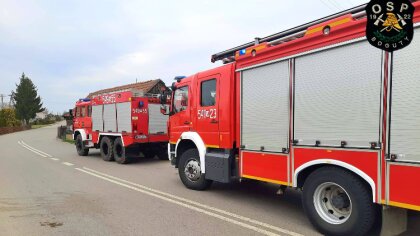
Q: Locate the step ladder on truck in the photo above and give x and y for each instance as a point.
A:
(314, 108)
(121, 125)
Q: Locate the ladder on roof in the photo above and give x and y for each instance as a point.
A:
(284, 36)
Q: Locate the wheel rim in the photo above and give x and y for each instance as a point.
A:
(192, 170)
(332, 203)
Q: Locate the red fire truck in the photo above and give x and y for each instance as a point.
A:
(316, 108)
(119, 124)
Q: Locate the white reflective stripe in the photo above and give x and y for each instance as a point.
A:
(337, 163)
(196, 139)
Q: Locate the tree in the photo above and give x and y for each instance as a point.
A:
(27, 101)
(8, 118)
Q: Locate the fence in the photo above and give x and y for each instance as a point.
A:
(61, 132)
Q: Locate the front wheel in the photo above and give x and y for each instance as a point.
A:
(80, 147)
(338, 203)
(189, 170)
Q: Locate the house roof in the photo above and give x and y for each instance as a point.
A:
(145, 86)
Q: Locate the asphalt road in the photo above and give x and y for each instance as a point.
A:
(46, 189)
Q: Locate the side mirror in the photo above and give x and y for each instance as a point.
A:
(163, 98)
(164, 110)
(71, 113)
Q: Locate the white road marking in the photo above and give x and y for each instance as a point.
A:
(38, 153)
(251, 227)
(153, 192)
(54, 159)
(34, 149)
(68, 164)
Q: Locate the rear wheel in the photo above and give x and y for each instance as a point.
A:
(338, 203)
(80, 147)
(189, 170)
(120, 152)
(106, 148)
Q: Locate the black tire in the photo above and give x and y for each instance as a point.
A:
(120, 152)
(107, 149)
(188, 157)
(355, 196)
(80, 147)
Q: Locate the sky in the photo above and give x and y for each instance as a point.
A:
(74, 47)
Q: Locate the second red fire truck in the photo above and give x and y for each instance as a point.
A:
(316, 108)
(121, 124)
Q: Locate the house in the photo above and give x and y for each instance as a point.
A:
(41, 115)
(150, 86)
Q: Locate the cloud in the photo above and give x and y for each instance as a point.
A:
(71, 48)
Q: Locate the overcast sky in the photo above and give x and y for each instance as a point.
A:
(73, 47)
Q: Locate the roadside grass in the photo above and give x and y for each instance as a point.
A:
(71, 141)
(68, 138)
(38, 126)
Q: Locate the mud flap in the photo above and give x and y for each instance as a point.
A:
(394, 221)
(218, 166)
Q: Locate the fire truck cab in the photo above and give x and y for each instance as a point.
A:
(203, 119)
(315, 108)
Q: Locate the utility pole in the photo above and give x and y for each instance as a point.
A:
(2, 101)
(11, 101)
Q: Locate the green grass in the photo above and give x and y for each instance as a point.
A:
(71, 141)
(38, 126)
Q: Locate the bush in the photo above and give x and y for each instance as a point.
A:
(49, 119)
(8, 118)
(45, 121)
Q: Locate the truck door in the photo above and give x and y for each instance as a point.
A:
(77, 124)
(87, 120)
(181, 118)
(207, 123)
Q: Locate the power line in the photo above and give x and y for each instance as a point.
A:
(327, 5)
(4, 104)
(335, 4)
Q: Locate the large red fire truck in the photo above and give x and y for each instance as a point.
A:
(119, 124)
(316, 108)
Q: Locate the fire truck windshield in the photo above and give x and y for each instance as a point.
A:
(180, 102)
